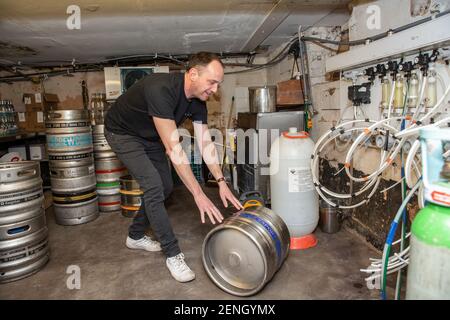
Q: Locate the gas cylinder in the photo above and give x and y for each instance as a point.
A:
(428, 270)
(429, 262)
(294, 197)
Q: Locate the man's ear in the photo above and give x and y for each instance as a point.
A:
(193, 74)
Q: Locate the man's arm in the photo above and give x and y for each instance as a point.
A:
(168, 133)
(210, 155)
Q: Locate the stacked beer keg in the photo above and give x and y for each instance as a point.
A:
(69, 146)
(108, 170)
(131, 196)
(23, 230)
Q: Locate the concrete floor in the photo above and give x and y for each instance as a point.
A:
(109, 270)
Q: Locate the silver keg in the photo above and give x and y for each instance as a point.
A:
(102, 149)
(23, 230)
(76, 209)
(71, 180)
(242, 254)
(99, 140)
(109, 203)
(20, 189)
(108, 172)
(69, 159)
(68, 131)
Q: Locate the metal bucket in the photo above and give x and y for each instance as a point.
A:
(130, 196)
(242, 254)
(329, 218)
(23, 228)
(262, 99)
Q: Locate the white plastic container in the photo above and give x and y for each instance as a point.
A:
(294, 198)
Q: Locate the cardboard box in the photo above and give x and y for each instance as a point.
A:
(21, 121)
(40, 102)
(31, 121)
(36, 120)
(37, 152)
(290, 93)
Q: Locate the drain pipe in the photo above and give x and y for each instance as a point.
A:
(306, 85)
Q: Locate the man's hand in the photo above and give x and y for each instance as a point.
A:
(205, 205)
(226, 195)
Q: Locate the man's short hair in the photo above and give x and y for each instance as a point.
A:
(202, 59)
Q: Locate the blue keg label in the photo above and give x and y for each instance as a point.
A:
(64, 141)
(272, 233)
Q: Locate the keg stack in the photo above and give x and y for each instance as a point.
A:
(108, 170)
(23, 229)
(69, 146)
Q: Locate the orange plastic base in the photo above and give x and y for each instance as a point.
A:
(304, 242)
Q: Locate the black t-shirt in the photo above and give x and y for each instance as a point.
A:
(158, 94)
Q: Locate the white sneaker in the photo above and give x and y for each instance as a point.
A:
(145, 243)
(179, 269)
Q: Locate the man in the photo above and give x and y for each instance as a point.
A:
(141, 126)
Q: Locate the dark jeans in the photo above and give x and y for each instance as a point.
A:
(147, 163)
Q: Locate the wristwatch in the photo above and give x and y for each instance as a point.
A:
(220, 179)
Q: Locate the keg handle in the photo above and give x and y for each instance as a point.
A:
(247, 194)
(26, 172)
(252, 203)
(17, 230)
(54, 115)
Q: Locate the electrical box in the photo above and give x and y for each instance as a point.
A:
(119, 79)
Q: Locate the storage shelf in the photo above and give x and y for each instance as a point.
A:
(21, 136)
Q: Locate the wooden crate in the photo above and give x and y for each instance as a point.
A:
(290, 93)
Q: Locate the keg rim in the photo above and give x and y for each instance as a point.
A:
(17, 164)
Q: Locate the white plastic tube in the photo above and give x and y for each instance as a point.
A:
(409, 162)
